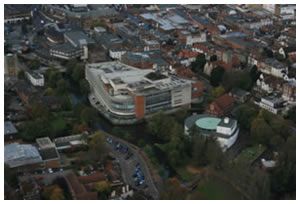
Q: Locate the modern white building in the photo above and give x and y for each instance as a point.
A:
(273, 67)
(35, 78)
(272, 104)
(116, 53)
(225, 130)
(125, 94)
(190, 40)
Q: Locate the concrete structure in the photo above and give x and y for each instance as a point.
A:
(14, 13)
(273, 67)
(225, 130)
(66, 51)
(272, 104)
(47, 149)
(16, 155)
(76, 45)
(35, 78)
(125, 94)
(68, 142)
(116, 53)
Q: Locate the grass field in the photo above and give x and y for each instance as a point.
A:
(215, 189)
(249, 155)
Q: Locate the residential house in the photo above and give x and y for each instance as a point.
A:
(239, 95)
(221, 106)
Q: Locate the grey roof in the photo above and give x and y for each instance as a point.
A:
(49, 154)
(108, 39)
(45, 142)
(146, 56)
(9, 128)
(21, 154)
(77, 38)
(239, 92)
(65, 47)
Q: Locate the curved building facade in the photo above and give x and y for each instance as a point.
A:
(125, 94)
(226, 130)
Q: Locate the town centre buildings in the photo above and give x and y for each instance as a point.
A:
(125, 94)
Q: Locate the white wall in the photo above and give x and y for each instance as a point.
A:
(225, 143)
(181, 96)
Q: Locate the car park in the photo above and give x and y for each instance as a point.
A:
(129, 155)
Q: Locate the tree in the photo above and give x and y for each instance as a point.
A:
(283, 178)
(21, 74)
(39, 110)
(216, 76)
(70, 66)
(291, 115)
(53, 76)
(84, 87)
(237, 79)
(34, 64)
(88, 115)
(10, 176)
(97, 147)
(66, 103)
(207, 151)
(175, 149)
(61, 86)
(261, 132)
(199, 63)
(79, 128)
(49, 92)
(245, 115)
(57, 127)
(160, 126)
(254, 73)
(53, 192)
(30, 131)
(218, 91)
(77, 73)
(199, 149)
(102, 186)
(173, 190)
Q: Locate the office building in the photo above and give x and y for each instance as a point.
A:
(125, 94)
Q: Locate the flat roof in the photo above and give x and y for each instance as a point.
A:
(132, 77)
(35, 74)
(9, 128)
(45, 142)
(208, 123)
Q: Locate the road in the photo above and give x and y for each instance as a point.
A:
(128, 167)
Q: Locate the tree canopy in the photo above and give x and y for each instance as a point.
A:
(216, 76)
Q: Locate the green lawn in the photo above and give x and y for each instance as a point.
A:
(249, 155)
(215, 189)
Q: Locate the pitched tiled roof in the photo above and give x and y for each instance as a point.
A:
(224, 101)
